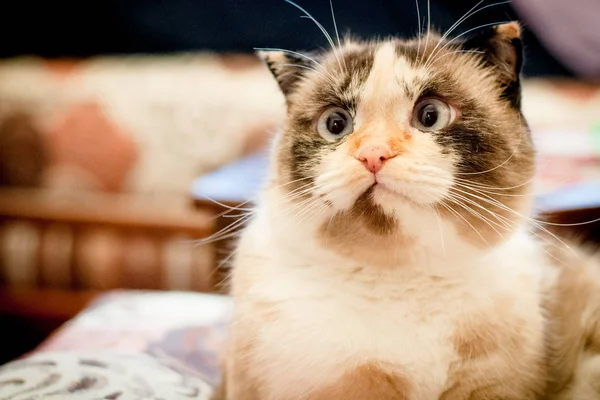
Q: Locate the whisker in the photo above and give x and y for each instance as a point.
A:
(465, 33)
(467, 15)
(301, 204)
(494, 214)
(548, 242)
(452, 27)
(220, 235)
(500, 194)
(532, 221)
(295, 53)
(419, 25)
(293, 181)
(428, 29)
(337, 35)
(237, 215)
(323, 30)
(440, 225)
(296, 196)
(231, 232)
(315, 209)
(485, 193)
(476, 214)
(450, 209)
(450, 30)
(460, 20)
(297, 191)
(234, 233)
(300, 66)
(299, 188)
(229, 208)
(488, 199)
(307, 191)
(566, 225)
(307, 206)
(495, 188)
(509, 224)
(550, 255)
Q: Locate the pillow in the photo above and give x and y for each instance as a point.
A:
(97, 375)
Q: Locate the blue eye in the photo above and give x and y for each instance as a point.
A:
(432, 115)
(428, 115)
(335, 123)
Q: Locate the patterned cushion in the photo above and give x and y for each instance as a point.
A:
(97, 375)
(183, 330)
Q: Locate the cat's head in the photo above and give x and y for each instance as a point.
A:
(386, 135)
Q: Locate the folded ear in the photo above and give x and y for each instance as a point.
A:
(287, 68)
(502, 48)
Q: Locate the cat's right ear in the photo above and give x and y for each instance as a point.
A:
(288, 69)
(502, 49)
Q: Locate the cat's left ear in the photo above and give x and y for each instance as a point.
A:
(288, 69)
(502, 48)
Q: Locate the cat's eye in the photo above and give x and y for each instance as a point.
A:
(334, 123)
(432, 114)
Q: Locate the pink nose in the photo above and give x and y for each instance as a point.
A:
(373, 157)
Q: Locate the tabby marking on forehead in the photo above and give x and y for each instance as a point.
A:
(358, 62)
(390, 73)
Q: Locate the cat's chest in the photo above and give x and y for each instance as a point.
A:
(419, 333)
(319, 337)
(320, 341)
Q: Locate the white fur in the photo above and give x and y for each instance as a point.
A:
(331, 319)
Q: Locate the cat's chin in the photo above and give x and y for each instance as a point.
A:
(388, 197)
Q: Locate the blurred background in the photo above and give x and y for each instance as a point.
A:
(113, 113)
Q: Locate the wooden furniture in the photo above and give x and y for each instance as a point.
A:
(28, 316)
(580, 223)
(91, 241)
(573, 212)
(59, 250)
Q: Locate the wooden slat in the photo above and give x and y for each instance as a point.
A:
(133, 211)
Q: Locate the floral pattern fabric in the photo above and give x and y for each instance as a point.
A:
(184, 331)
(97, 375)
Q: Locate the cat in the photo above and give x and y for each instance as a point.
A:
(390, 255)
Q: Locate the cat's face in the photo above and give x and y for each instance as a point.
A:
(378, 131)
